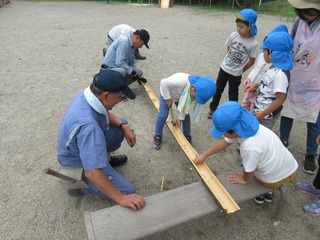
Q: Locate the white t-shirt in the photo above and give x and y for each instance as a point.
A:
(119, 30)
(172, 88)
(264, 154)
(259, 69)
(239, 53)
(273, 80)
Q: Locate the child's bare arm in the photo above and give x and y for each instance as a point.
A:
(318, 140)
(219, 146)
(241, 178)
(249, 64)
(281, 97)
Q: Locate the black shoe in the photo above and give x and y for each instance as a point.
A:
(309, 164)
(259, 200)
(268, 197)
(189, 138)
(138, 56)
(104, 50)
(285, 144)
(119, 160)
(209, 114)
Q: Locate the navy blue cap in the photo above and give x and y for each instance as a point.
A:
(112, 81)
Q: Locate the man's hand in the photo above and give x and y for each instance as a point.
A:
(133, 201)
(140, 80)
(134, 75)
(129, 135)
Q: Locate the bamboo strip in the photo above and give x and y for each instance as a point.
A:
(221, 194)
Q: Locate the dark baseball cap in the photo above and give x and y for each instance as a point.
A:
(112, 81)
(144, 35)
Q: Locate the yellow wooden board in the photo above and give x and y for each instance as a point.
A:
(221, 194)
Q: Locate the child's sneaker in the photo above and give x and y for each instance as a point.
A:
(309, 164)
(209, 114)
(313, 208)
(268, 197)
(157, 142)
(285, 144)
(307, 187)
(188, 138)
(238, 149)
(259, 200)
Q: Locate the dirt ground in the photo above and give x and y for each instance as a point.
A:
(50, 51)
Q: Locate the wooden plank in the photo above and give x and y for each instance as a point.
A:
(223, 197)
(164, 210)
(89, 225)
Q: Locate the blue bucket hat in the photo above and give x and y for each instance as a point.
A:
(231, 116)
(205, 88)
(250, 16)
(280, 42)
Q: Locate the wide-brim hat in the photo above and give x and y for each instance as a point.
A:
(205, 88)
(231, 116)
(112, 81)
(280, 42)
(250, 16)
(304, 4)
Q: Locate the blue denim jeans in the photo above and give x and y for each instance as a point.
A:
(163, 115)
(312, 134)
(114, 139)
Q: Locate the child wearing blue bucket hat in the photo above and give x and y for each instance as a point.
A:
(270, 76)
(242, 50)
(264, 156)
(183, 90)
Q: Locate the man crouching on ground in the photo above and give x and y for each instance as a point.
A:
(262, 153)
(89, 132)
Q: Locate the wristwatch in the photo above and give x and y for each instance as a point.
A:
(123, 123)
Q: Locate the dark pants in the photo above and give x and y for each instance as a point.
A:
(316, 181)
(313, 131)
(223, 78)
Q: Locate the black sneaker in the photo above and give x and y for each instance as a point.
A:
(285, 143)
(117, 161)
(309, 165)
(209, 114)
(268, 197)
(259, 200)
(188, 138)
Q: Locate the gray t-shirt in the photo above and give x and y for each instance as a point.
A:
(239, 53)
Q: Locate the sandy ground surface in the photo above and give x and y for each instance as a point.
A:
(50, 51)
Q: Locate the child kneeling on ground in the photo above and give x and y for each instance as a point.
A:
(262, 152)
(183, 90)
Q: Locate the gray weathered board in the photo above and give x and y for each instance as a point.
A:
(164, 210)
